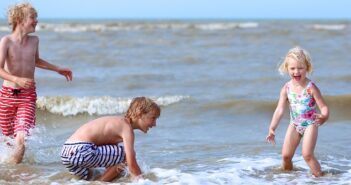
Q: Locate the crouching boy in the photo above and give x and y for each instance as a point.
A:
(109, 142)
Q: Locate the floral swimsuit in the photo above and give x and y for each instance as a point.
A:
(302, 107)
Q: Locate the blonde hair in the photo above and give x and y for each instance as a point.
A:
(299, 54)
(140, 106)
(17, 12)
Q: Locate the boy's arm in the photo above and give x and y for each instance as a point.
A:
(324, 115)
(46, 65)
(128, 141)
(277, 116)
(3, 55)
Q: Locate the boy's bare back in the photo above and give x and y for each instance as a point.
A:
(103, 131)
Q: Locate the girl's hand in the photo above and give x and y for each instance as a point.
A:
(319, 119)
(271, 137)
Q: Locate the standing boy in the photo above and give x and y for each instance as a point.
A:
(19, 55)
(109, 141)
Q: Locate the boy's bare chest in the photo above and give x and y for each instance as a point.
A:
(22, 55)
(22, 51)
(21, 59)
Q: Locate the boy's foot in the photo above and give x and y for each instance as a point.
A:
(95, 173)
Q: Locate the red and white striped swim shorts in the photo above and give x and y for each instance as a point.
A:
(17, 110)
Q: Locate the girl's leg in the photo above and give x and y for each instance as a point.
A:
(309, 143)
(291, 141)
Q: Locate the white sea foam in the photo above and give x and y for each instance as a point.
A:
(68, 105)
(5, 150)
(329, 26)
(225, 26)
(257, 170)
(65, 27)
(5, 28)
(115, 26)
(245, 170)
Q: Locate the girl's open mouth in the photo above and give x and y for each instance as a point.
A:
(297, 78)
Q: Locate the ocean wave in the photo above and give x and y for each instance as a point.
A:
(5, 29)
(339, 106)
(225, 26)
(104, 27)
(329, 26)
(73, 28)
(105, 105)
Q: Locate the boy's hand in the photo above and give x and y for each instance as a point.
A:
(137, 178)
(271, 137)
(25, 82)
(66, 72)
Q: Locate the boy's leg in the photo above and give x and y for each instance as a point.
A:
(19, 147)
(112, 157)
(112, 172)
(82, 156)
(7, 118)
(73, 157)
(8, 110)
(309, 143)
(25, 120)
(291, 141)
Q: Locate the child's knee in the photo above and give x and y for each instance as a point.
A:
(307, 156)
(20, 137)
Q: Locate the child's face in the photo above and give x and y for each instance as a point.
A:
(297, 70)
(30, 21)
(147, 121)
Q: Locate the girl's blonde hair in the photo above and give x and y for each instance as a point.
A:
(17, 12)
(299, 54)
(140, 106)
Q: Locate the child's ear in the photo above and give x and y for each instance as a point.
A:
(18, 20)
(138, 114)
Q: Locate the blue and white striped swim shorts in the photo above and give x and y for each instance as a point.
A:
(79, 157)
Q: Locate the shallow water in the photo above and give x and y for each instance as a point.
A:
(217, 83)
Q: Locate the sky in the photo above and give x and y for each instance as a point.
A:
(187, 9)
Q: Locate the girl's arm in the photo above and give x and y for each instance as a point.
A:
(277, 116)
(324, 115)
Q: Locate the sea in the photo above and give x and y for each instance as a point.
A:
(217, 83)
